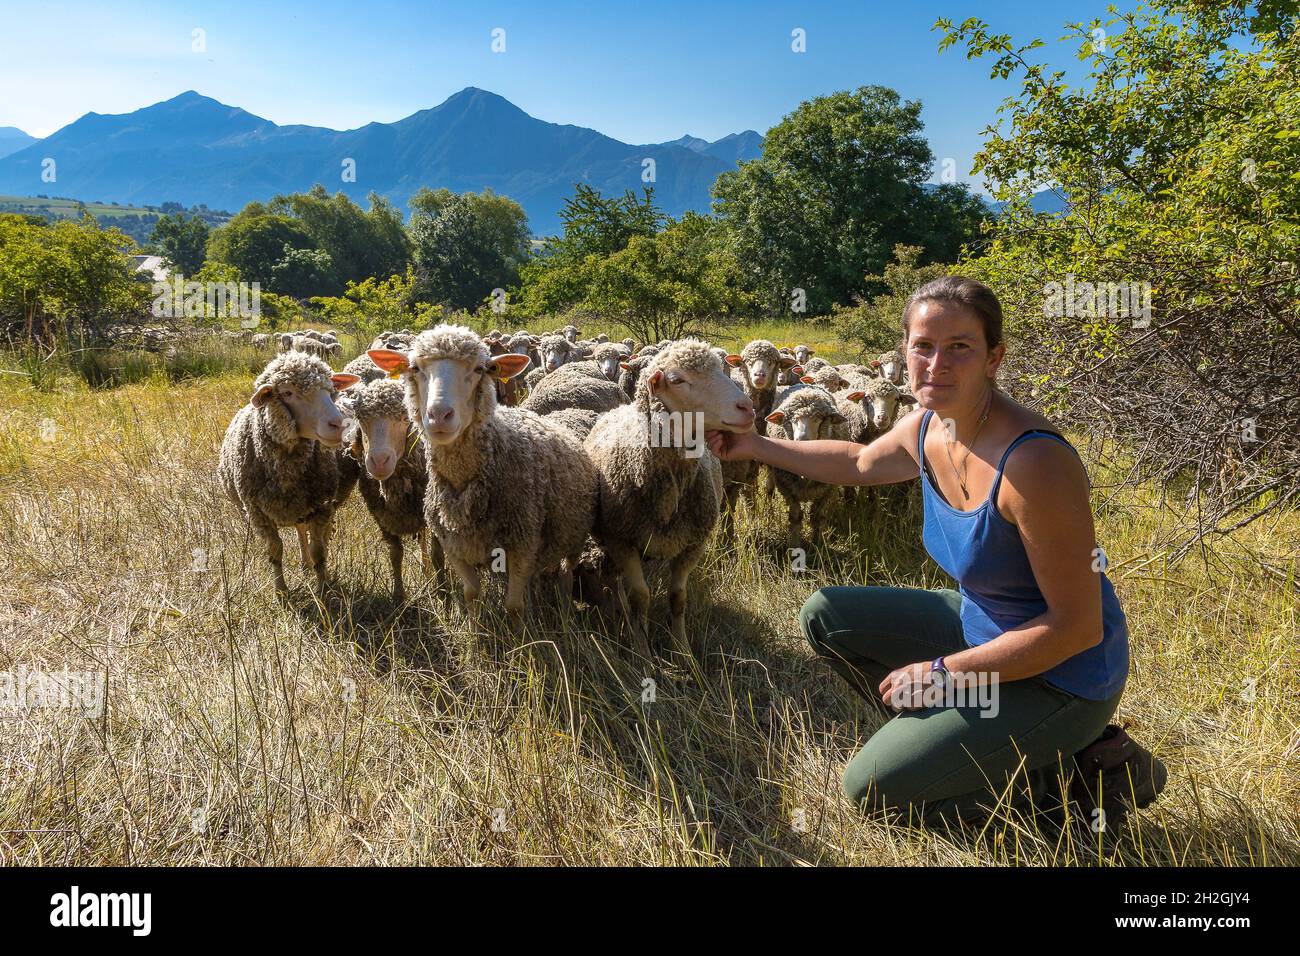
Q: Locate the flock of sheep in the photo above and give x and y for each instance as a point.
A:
(582, 469)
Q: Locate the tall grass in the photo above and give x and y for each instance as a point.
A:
(240, 730)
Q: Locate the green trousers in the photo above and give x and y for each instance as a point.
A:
(945, 763)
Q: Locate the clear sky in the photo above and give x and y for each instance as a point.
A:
(641, 72)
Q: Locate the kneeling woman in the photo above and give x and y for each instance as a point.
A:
(1036, 620)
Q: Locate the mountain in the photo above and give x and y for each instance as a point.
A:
(732, 149)
(13, 139)
(192, 149)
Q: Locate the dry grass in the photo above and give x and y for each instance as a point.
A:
(237, 730)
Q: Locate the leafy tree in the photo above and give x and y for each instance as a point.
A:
(874, 325)
(182, 241)
(1177, 160)
(374, 305)
(665, 285)
(256, 240)
(466, 245)
(300, 272)
(360, 244)
(838, 185)
(594, 226)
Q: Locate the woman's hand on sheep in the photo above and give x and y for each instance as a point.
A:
(734, 446)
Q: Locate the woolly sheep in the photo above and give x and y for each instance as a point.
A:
(575, 385)
(394, 478)
(501, 480)
(278, 463)
(755, 370)
(660, 487)
(805, 414)
(891, 366)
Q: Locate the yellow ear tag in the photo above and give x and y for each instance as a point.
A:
(395, 374)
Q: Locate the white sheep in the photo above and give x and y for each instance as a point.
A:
(504, 483)
(278, 463)
(660, 488)
(805, 414)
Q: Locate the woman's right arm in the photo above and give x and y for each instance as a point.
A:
(888, 459)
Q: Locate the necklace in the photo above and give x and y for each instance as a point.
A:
(947, 445)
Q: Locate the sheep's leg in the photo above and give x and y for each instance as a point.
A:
(275, 554)
(318, 545)
(395, 552)
(469, 583)
(769, 481)
(519, 572)
(639, 601)
(681, 568)
(794, 537)
(302, 545)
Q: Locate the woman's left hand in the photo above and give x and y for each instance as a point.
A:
(902, 689)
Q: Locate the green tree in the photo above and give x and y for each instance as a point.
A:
(466, 245)
(359, 243)
(256, 240)
(182, 241)
(840, 182)
(1178, 159)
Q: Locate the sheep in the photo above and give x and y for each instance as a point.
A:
(813, 364)
(509, 392)
(278, 463)
(610, 359)
(500, 480)
(261, 340)
(870, 409)
(575, 385)
(631, 372)
(394, 477)
(756, 369)
(570, 332)
(805, 414)
(660, 487)
(891, 365)
(555, 350)
(364, 369)
(630, 344)
(577, 420)
(533, 378)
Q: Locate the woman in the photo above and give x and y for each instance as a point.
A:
(1036, 622)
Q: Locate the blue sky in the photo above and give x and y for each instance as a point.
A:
(640, 72)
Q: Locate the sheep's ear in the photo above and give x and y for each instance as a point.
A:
(777, 418)
(392, 362)
(624, 366)
(344, 380)
(875, 363)
(507, 366)
(835, 418)
(907, 398)
(735, 361)
(857, 396)
(796, 369)
(788, 361)
(262, 395)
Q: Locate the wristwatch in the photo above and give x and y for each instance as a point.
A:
(938, 673)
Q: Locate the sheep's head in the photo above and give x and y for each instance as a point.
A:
(610, 358)
(554, 351)
(880, 402)
(802, 354)
(759, 362)
(890, 366)
(295, 395)
(828, 377)
(808, 414)
(688, 378)
(450, 379)
(570, 332)
(382, 426)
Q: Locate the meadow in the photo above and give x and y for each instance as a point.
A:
(239, 730)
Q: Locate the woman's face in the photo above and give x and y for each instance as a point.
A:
(948, 363)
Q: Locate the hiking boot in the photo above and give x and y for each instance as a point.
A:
(1115, 773)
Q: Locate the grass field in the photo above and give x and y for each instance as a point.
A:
(237, 730)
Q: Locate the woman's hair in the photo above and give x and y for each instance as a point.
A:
(975, 296)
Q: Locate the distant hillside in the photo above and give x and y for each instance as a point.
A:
(192, 149)
(136, 221)
(13, 139)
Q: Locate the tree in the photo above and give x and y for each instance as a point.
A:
(360, 244)
(594, 226)
(838, 185)
(875, 325)
(665, 285)
(1177, 160)
(181, 241)
(256, 240)
(466, 246)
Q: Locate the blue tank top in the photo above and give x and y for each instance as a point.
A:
(984, 553)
